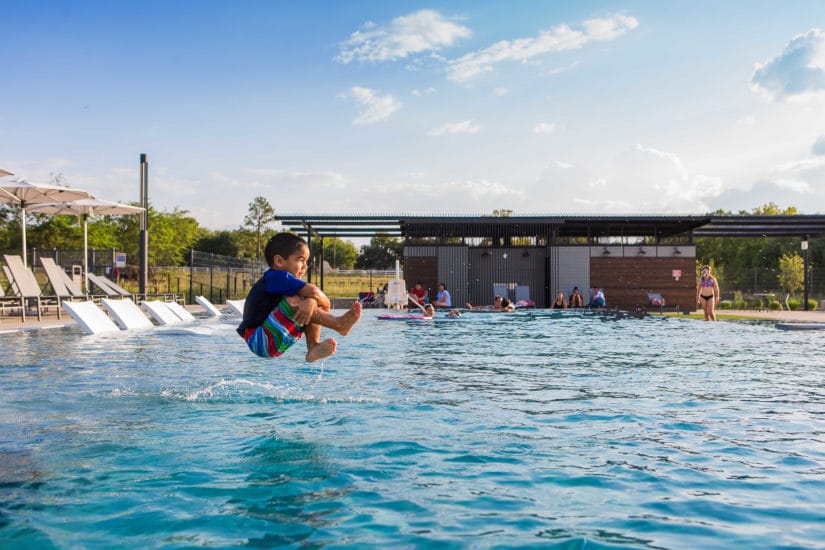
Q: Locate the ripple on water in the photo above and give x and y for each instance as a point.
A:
(530, 429)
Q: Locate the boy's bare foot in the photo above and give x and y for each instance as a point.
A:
(321, 350)
(348, 319)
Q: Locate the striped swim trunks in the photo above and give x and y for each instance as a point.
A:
(276, 335)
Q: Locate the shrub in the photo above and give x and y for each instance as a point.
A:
(812, 304)
(793, 304)
(725, 304)
(754, 303)
(775, 305)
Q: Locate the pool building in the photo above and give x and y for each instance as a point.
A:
(534, 257)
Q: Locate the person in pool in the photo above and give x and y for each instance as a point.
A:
(429, 311)
(280, 307)
(559, 302)
(708, 294)
(496, 306)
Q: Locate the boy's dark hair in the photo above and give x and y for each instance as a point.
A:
(283, 244)
(505, 302)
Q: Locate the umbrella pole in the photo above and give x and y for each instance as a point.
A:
(85, 254)
(23, 230)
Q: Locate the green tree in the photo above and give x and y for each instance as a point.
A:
(260, 215)
(791, 272)
(54, 232)
(337, 252)
(171, 236)
(746, 261)
(771, 209)
(103, 232)
(218, 242)
(247, 242)
(381, 253)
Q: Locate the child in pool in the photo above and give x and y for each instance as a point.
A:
(280, 307)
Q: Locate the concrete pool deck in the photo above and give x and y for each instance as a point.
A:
(13, 325)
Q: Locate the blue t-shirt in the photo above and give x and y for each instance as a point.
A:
(444, 296)
(265, 295)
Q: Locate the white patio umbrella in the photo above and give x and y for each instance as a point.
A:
(4, 173)
(86, 208)
(23, 193)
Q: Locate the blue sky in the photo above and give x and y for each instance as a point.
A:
(457, 107)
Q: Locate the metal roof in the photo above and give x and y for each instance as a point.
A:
(661, 226)
(491, 226)
(763, 226)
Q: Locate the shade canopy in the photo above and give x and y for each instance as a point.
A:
(86, 208)
(23, 193)
(4, 173)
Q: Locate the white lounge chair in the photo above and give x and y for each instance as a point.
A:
(160, 312)
(25, 286)
(180, 311)
(126, 314)
(61, 284)
(236, 306)
(90, 318)
(109, 287)
(208, 306)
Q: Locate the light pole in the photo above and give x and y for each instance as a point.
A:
(805, 272)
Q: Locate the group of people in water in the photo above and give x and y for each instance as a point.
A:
(576, 300)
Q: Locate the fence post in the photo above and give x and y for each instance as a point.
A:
(211, 274)
(191, 272)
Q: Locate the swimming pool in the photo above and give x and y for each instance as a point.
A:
(515, 430)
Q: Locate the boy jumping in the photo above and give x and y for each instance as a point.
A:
(280, 307)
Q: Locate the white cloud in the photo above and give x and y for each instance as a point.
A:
(801, 166)
(500, 92)
(797, 73)
(478, 190)
(319, 179)
(426, 91)
(642, 179)
(523, 50)
(797, 186)
(464, 127)
(544, 128)
(421, 31)
(376, 108)
(558, 70)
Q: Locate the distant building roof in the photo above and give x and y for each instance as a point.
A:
(554, 226)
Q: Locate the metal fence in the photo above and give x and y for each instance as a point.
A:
(220, 278)
(757, 287)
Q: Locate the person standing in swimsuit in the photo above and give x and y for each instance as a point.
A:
(708, 294)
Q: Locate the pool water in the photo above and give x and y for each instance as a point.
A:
(529, 429)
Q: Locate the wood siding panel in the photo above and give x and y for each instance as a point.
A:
(628, 281)
(424, 270)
